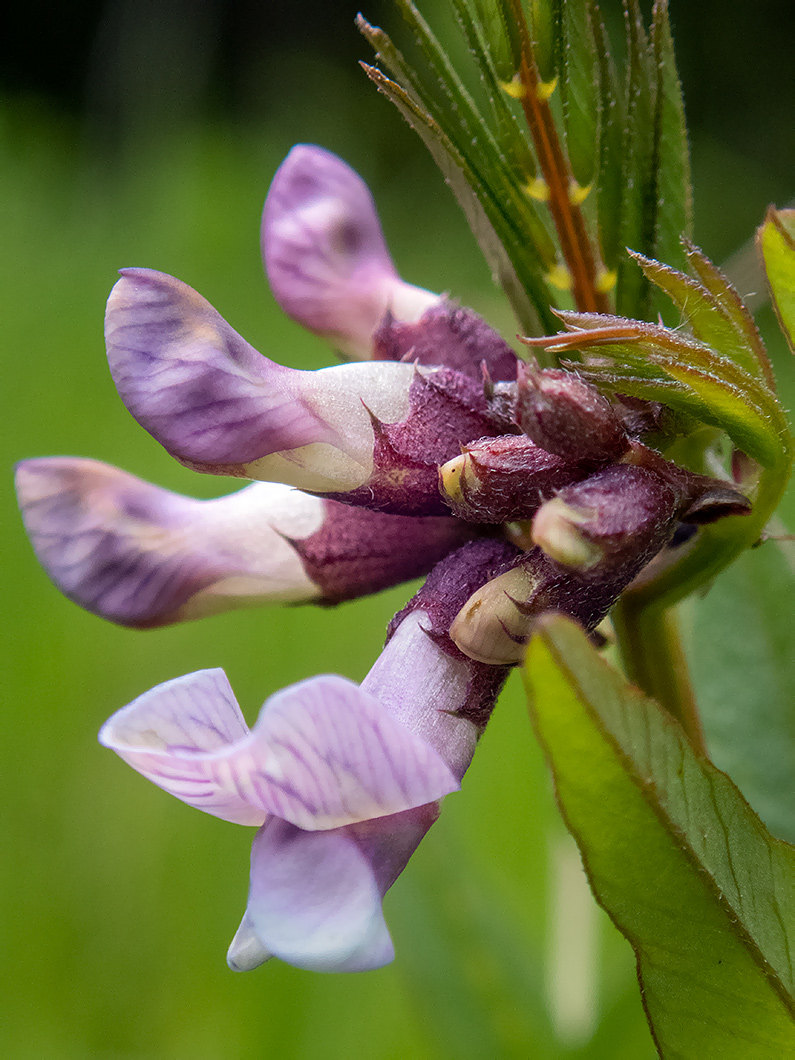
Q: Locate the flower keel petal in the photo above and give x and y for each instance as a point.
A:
(314, 900)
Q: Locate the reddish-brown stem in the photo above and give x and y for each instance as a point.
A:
(572, 232)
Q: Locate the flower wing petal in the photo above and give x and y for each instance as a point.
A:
(173, 734)
(325, 753)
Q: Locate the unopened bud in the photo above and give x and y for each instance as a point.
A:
(699, 498)
(616, 520)
(497, 480)
(563, 532)
(494, 624)
(567, 416)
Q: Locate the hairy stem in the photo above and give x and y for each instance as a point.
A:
(653, 658)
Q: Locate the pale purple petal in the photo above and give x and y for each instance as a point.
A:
(424, 687)
(325, 753)
(192, 381)
(219, 406)
(325, 255)
(314, 900)
(143, 556)
(170, 734)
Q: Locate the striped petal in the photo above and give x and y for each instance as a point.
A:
(323, 754)
(174, 735)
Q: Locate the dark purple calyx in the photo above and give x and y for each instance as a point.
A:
(611, 523)
(448, 587)
(567, 416)
(447, 335)
(506, 479)
(700, 499)
(593, 539)
(446, 410)
(358, 552)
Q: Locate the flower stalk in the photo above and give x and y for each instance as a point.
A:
(653, 657)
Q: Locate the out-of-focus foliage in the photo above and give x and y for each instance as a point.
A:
(118, 904)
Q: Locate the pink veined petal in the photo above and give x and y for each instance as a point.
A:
(171, 735)
(314, 901)
(325, 753)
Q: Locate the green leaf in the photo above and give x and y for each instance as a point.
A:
(545, 30)
(776, 241)
(503, 218)
(637, 205)
(510, 135)
(673, 189)
(464, 185)
(580, 90)
(683, 866)
(609, 187)
(717, 317)
(742, 661)
(732, 305)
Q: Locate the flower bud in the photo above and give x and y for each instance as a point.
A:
(592, 541)
(615, 520)
(496, 480)
(565, 415)
(494, 624)
(699, 498)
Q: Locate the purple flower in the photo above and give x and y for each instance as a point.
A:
(516, 491)
(341, 779)
(142, 556)
(325, 255)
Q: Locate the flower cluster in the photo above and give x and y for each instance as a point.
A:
(433, 450)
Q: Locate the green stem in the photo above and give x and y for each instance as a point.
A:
(645, 616)
(654, 659)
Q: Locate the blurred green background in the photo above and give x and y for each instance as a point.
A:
(146, 134)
